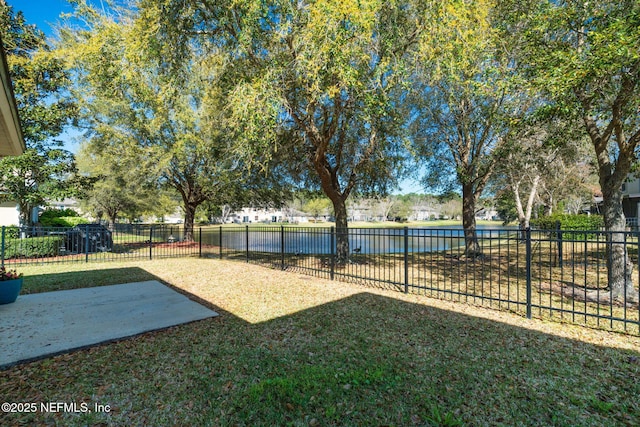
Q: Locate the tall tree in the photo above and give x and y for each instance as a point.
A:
(124, 185)
(586, 55)
(464, 95)
(318, 81)
(541, 154)
(45, 171)
(175, 125)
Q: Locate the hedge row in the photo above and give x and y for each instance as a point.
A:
(33, 247)
(61, 218)
(66, 221)
(569, 222)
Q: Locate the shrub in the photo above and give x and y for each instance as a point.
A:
(68, 221)
(54, 213)
(33, 247)
(61, 218)
(569, 222)
(11, 232)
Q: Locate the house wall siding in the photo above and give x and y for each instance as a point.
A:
(9, 214)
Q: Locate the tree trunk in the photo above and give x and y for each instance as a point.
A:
(472, 248)
(619, 266)
(225, 211)
(112, 222)
(189, 218)
(548, 206)
(112, 214)
(524, 215)
(342, 231)
(523, 223)
(25, 214)
(331, 188)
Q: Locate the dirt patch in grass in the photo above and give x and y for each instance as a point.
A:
(293, 350)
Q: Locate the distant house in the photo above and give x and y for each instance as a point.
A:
(486, 214)
(67, 203)
(176, 217)
(423, 212)
(267, 215)
(360, 211)
(631, 198)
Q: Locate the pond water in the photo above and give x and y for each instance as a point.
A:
(308, 241)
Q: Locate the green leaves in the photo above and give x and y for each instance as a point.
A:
(171, 125)
(39, 80)
(33, 178)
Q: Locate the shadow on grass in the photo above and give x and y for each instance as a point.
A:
(372, 358)
(363, 360)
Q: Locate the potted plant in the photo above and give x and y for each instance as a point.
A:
(10, 285)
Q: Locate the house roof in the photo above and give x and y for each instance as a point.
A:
(11, 139)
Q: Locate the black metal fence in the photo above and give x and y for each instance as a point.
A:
(94, 242)
(555, 274)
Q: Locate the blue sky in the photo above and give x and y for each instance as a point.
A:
(41, 12)
(45, 14)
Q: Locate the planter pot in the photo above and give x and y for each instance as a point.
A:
(9, 290)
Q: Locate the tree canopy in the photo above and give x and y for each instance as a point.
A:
(585, 56)
(174, 127)
(224, 99)
(317, 83)
(465, 96)
(45, 171)
(39, 79)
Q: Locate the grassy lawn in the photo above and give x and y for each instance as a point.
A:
(294, 350)
(498, 279)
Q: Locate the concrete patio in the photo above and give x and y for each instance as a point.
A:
(45, 324)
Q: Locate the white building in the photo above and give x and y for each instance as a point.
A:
(9, 214)
(266, 216)
(360, 211)
(487, 214)
(423, 212)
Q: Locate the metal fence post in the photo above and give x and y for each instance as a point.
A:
(559, 237)
(220, 242)
(200, 238)
(528, 271)
(151, 242)
(636, 234)
(406, 260)
(332, 261)
(282, 247)
(3, 244)
(247, 241)
(86, 243)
